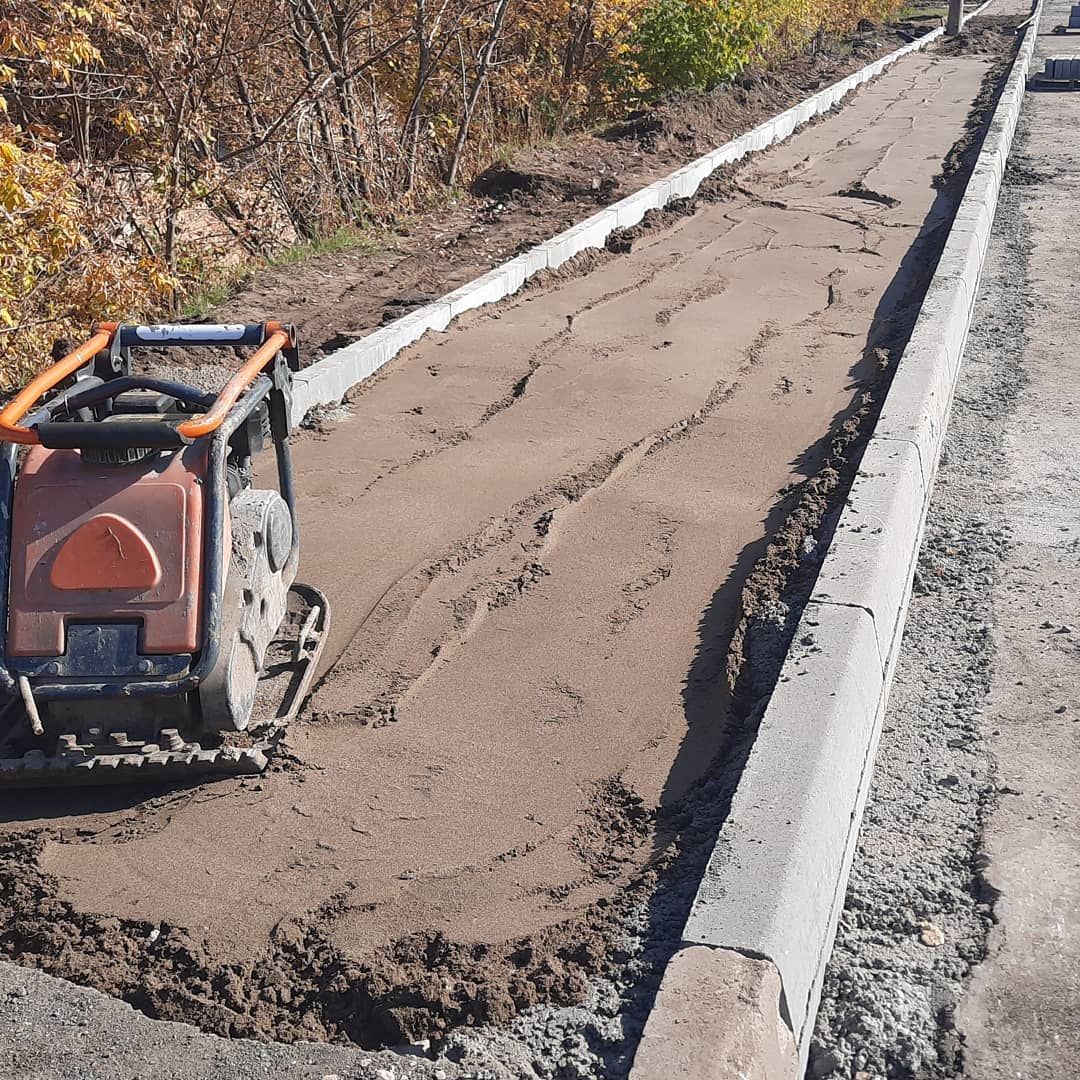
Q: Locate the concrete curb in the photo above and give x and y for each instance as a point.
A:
(774, 886)
(698, 1034)
(328, 380)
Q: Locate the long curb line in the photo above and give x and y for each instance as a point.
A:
(775, 884)
(328, 380)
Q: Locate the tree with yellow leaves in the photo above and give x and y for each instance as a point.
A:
(144, 145)
(58, 269)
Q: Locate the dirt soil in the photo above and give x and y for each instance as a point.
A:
(535, 531)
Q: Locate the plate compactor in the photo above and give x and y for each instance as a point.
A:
(151, 628)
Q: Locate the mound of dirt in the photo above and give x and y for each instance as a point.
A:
(982, 35)
(300, 987)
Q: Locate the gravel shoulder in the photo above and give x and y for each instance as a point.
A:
(1018, 1015)
(957, 952)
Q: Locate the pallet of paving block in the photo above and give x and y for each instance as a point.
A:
(1074, 21)
(1057, 74)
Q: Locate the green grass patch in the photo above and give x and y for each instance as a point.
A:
(916, 12)
(343, 241)
(203, 298)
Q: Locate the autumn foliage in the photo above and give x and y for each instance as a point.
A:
(136, 134)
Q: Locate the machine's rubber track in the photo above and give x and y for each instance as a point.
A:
(284, 685)
(75, 768)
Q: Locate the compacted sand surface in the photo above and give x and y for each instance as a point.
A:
(534, 530)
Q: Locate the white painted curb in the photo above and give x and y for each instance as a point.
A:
(328, 380)
(775, 883)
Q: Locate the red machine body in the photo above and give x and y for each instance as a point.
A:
(93, 543)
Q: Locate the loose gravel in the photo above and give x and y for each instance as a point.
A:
(918, 911)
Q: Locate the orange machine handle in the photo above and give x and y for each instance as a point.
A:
(210, 420)
(11, 429)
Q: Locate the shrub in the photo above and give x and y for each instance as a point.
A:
(696, 44)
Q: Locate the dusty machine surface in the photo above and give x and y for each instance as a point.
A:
(151, 624)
